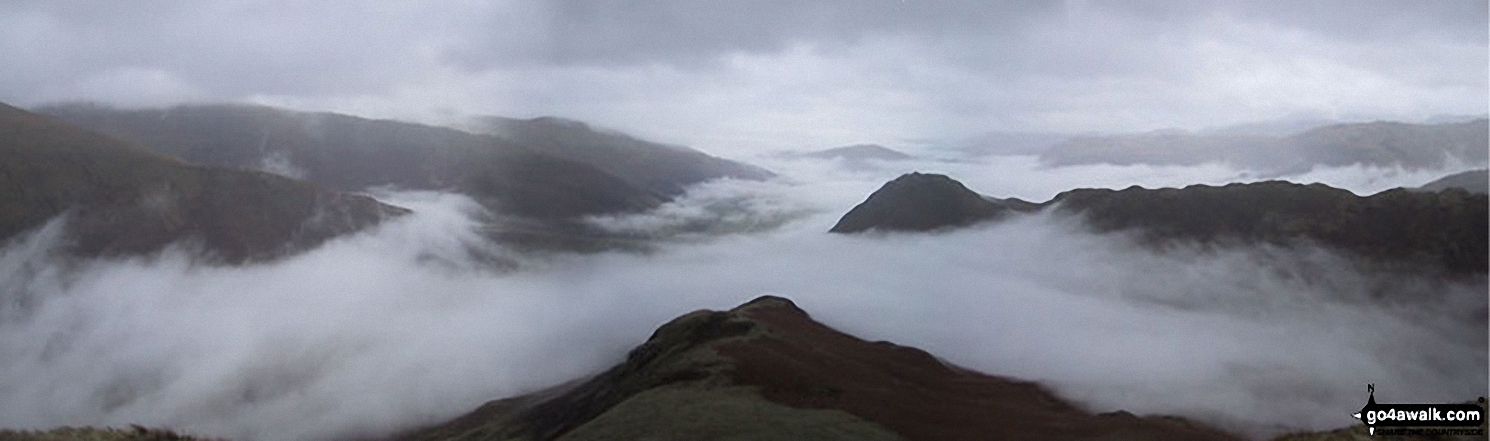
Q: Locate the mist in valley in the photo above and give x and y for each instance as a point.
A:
(410, 323)
(579, 173)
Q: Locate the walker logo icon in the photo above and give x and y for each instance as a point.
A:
(1426, 419)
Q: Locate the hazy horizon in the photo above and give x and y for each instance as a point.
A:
(769, 75)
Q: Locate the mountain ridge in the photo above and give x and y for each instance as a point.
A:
(1447, 229)
(1379, 143)
(351, 154)
(661, 168)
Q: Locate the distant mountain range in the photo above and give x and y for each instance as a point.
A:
(1446, 229)
(538, 177)
(1385, 144)
(767, 370)
(120, 199)
(352, 154)
(666, 170)
(859, 152)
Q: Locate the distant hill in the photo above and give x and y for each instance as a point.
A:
(767, 370)
(660, 168)
(350, 153)
(924, 202)
(1448, 229)
(122, 200)
(1473, 181)
(859, 152)
(1386, 144)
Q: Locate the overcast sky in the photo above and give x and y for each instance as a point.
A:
(746, 75)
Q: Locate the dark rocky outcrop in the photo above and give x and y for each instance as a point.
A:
(767, 370)
(119, 199)
(1446, 229)
(924, 202)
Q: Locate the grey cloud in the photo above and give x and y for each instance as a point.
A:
(740, 76)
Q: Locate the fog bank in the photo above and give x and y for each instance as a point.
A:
(399, 326)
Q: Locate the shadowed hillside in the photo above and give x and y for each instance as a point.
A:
(767, 370)
(352, 154)
(121, 200)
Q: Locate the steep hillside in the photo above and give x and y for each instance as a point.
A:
(121, 200)
(659, 168)
(767, 370)
(1447, 229)
(352, 154)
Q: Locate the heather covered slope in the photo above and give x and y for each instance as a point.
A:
(660, 168)
(767, 370)
(1446, 229)
(352, 154)
(122, 200)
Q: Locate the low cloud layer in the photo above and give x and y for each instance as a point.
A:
(399, 326)
(746, 76)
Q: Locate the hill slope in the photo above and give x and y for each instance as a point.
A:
(659, 168)
(122, 200)
(767, 370)
(923, 202)
(352, 154)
